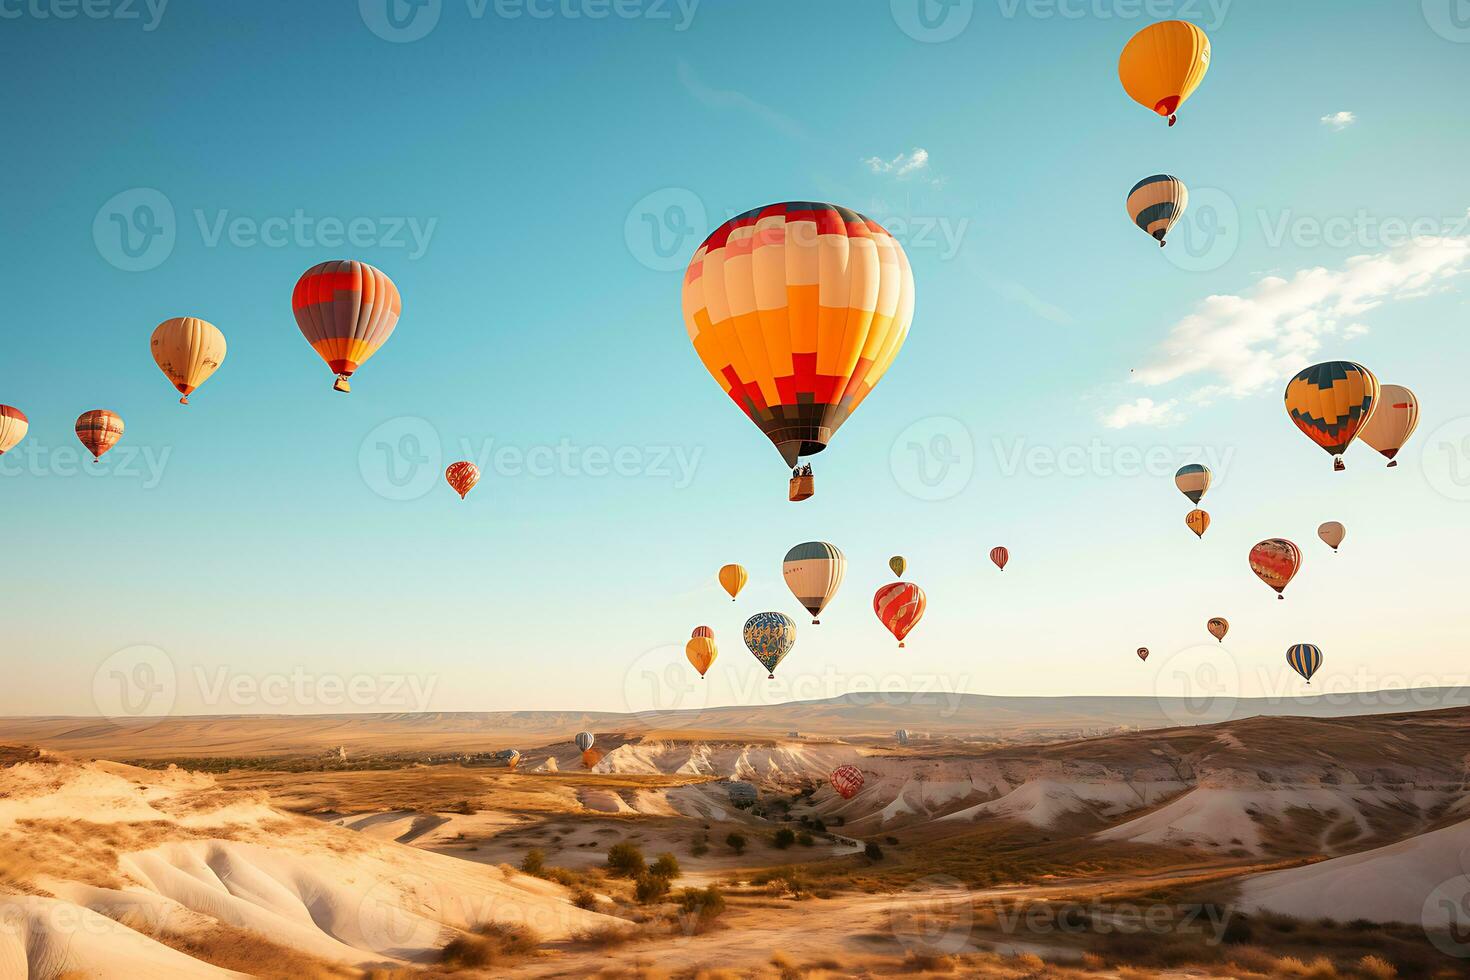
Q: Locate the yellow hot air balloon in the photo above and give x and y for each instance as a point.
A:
(1331, 403)
(1332, 534)
(701, 650)
(898, 564)
(1163, 64)
(1197, 521)
(187, 350)
(733, 578)
(1392, 422)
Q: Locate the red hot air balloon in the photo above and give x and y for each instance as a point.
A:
(1000, 556)
(462, 476)
(346, 310)
(847, 781)
(702, 631)
(1276, 562)
(899, 606)
(99, 431)
(1143, 653)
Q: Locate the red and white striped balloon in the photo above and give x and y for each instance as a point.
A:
(899, 606)
(847, 781)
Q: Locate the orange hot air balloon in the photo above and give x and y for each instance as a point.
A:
(1143, 653)
(1163, 64)
(1218, 627)
(899, 608)
(797, 310)
(1395, 419)
(1331, 402)
(701, 650)
(1276, 562)
(462, 476)
(1000, 556)
(346, 310)
(99, 431)
(1197, 521)
(13, 427)
(733, 579)
(187, 350)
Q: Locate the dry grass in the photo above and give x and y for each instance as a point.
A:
(235, 949)
(489, 945)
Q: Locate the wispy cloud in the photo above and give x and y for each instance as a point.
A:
(1144, 411)
(903, 165)
(1339, 121)
(1236, 345)
(731, 99)
(1018, 293)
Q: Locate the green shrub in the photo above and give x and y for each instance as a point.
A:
(651, 888)
(534, 863)
(625, 860)
(667, 866)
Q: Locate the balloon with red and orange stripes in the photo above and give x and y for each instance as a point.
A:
(99, 430)
(1000, 556)
(346, 310)
(899, 607)
(462, 476)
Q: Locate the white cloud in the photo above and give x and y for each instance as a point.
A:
(1144, 411)
(1339, 120)
(903, 165)
(1237, 345)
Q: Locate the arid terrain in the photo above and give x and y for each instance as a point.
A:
(1265, 846)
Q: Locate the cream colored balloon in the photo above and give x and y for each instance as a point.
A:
(13, 427)
(1393, 421)
(187, 350)
(813, 571)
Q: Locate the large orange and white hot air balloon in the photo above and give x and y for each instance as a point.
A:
(13, 427)
(187, 350)
(1163, 64)
(1391, 424)
(797, 310)
(346, 310)
(99, 430)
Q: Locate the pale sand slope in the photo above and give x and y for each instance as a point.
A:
(1422, 879)
(176, 855)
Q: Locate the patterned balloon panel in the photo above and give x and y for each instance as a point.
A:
(899, 608)
(1331, 402)
(847, 781)
(13, 427)
(1276, 562)
(770, 637)
(346, 310)
(99, 430)
(1304, 658)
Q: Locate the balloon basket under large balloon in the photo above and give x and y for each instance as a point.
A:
(184, 400)
(770, 677)
(816, 622)
(900, 644)
(1172, 120)
(801, 488)
(1280, 598)
(341, 384)
(1393, 463)
(1338, 465)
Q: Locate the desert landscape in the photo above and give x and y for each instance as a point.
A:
(1260, 847)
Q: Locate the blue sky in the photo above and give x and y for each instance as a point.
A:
(534, 177)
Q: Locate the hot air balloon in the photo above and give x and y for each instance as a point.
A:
(1331, 402)
(1193, 480)
(1163, 64)
(770, 637)
(733, 578)
(797, 310)
(813, 571)
(1156, 202)
(847, 781)
(899, 607)
(510, 757)
(1000, 556)
(1143, 653)
(902, 735)
(1218, 627)
(701, 650)
(13, 427)
(1392, 422)
(1276, 562)
(1197, 521)
(462, 476)
(1304, 658)
(585, 740)
(898, 565)
(1332, 534)
(99, 431)
(187, 350)
(346, 310)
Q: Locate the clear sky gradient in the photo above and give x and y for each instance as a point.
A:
(559, 167)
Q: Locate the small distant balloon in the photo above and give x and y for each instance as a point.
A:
(1276, 562)
(99, 430)
(1156, 203)
(1000, 556)
(1218, 627)
(462, 476)
(1304, 658)
(1197, 521)
(585, 740)
(1332, 534)
(701, 650)
(733, 579)
(1193, 480)
(13, 427)
(1143, 653)
(898, 565)
(847, 781)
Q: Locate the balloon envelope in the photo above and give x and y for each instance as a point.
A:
(187, 350)
(899, 608)
(701, 652)
(1393, 421)
(770, 637)
(847, 781)
(1193, 480)
(1143, 653)
(1276, 562)
(813, 571)
(1304, 658)
(1000, 556)
(1156, 203)
(1331, 402)
(585, 740)
(1163, 64)
(733, 579)
(1218, 627)
(1197, 521)
(462, 476)
(1332, 534)
(797, 310)
(13, 427)
(346, 310)
(898, 565)
(99, 430)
